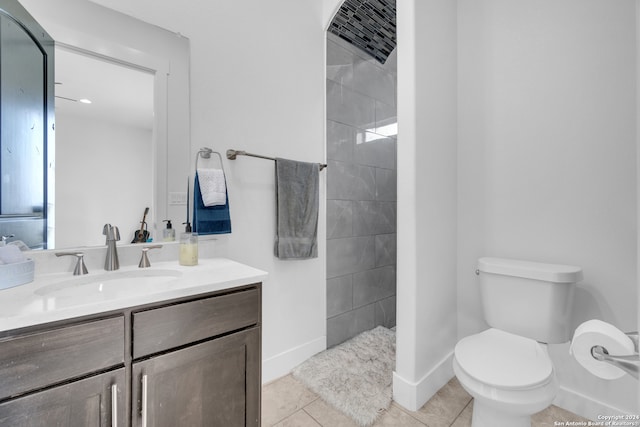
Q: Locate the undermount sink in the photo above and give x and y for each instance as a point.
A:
(112, 284)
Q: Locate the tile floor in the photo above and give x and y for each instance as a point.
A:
(288, 403)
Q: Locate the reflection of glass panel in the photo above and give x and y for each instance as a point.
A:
(22, 118)
(22, 130)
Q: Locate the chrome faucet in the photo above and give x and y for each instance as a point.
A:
(113, 235)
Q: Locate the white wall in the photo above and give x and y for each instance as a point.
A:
(547, 162)
(257, 84)
(426, 290)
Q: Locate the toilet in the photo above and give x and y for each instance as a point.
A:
(507, 368)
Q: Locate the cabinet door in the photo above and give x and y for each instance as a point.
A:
(214, 383)
(97, 401)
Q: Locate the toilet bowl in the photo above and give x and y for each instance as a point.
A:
(509, 377)
(506, 368)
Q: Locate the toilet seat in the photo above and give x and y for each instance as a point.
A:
(503, 360)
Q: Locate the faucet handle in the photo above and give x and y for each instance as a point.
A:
(144, 260)
(80, 267)
(111, 231)
(107, 230)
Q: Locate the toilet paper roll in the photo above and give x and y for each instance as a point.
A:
(596, 332)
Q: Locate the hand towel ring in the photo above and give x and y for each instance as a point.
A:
(205, 153)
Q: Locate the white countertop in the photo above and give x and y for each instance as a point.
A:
(61, 296)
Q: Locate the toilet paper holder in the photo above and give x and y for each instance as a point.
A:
(628, 363)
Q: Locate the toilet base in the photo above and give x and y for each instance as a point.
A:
(487, 416)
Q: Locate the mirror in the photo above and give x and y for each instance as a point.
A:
(81, 197)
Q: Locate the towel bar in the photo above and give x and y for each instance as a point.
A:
(231, 155)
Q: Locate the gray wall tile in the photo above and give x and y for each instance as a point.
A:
(341, 140)
(344, 326)
(386, 249)
(349, 107)
(339, 64)
(346, 181)
(386, 185)
(385, 312)
(373, 285)
(350, 255)
(373, 81)
(386, 119)
(375, 150)
(339, 295)
(361, 192)
(339, 218)
(373, 217)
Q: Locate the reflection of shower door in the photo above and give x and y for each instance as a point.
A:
(23, 121)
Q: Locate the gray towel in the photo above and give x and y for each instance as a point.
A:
(297, 202)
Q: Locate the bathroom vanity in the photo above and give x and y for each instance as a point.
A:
(97, 351)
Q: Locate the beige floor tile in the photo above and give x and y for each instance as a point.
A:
(445, 406)
(396, 417)
(283, 398)
(464, 419)
(327, 416)
(552, 415)
(288, 403)
(298, 419)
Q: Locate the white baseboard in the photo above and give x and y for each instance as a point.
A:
(412, 395)
(281, 364)
(584, 406)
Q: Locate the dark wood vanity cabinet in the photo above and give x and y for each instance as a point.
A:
(192, 361)
(214, 383)
(96, 401)
(182, 377)
(64, 376)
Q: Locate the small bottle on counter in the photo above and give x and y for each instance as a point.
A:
(168, 234)
(188, 247)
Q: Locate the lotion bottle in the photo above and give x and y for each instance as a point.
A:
(168, 234)
(188, 247)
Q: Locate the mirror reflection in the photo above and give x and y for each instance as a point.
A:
(24, 91)
(104, 144)
(109, 160)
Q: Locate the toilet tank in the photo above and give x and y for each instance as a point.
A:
(527, 298)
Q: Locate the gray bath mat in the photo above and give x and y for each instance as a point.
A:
(355, 376)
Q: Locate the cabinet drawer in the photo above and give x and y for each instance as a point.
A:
(36, 360)
(168, 327)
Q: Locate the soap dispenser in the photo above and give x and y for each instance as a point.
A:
(168, 234)
(188, 247)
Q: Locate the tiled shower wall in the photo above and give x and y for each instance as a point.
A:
(361, 193)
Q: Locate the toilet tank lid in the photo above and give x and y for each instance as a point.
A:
(555, 273)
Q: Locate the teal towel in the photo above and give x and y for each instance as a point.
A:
(297, 203)
(209, 220)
